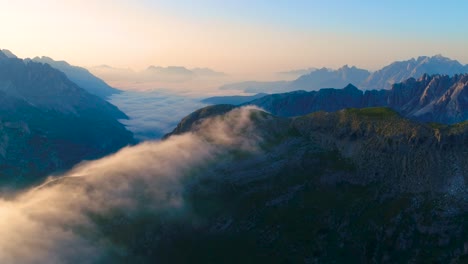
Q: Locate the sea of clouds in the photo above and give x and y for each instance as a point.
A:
(152, 114)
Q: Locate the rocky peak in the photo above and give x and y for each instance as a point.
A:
(350, 87)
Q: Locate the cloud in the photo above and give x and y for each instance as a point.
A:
(56, 222)
(153, 113)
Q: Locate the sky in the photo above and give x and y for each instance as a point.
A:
(248, 38)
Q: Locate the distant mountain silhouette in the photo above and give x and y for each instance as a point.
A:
(296, 73)
(257, 87)
(48, 123)
(170, 74)
(81, 76)
(381, 79)
(402, 70)
(324, 78)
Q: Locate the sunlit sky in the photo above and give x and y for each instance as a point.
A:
(244, 37)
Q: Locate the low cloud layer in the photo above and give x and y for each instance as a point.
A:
(156, 77)
(55, 222)
(154, 113)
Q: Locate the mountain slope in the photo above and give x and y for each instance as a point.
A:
(48, 123)
(244, 186)
(359, 184)
(81, 76)
(437, 98)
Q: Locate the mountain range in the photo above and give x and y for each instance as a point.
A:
(381, 79)
(335, 175)
(49, 123)
(81, 76)
(414, 68)
(436, 98)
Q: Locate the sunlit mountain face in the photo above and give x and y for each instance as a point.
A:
(233, 132)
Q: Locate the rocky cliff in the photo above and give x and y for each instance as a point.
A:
(399, 71)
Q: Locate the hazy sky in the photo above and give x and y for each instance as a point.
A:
(243, 37)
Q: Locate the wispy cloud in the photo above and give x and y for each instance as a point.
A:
(54, 223)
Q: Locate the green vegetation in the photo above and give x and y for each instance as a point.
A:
(373, 112)
(435, 125)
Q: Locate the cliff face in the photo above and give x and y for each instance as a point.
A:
(436, 98)
(48, 123)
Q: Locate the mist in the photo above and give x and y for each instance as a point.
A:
(56, 221)
(153, 114)
(177, 78)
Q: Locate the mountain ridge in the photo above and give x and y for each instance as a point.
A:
(436, 98)
(81, 76)
(48, 123)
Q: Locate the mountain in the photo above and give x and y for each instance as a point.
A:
(360, 184)
(81, 76)
(171, 77)
(207, 72)
(8, 53)
(257, 87)
(436, 98)
(171, 73)
(234, 100)
(301, 102)
(402, 70)
(49, 123)
(316, 79)
(239, 185)
(381, 79)
(295, 73)
(324, 78)
(189, 122)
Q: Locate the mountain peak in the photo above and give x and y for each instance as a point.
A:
(350, 86)
(8, 54)
(440, 57)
